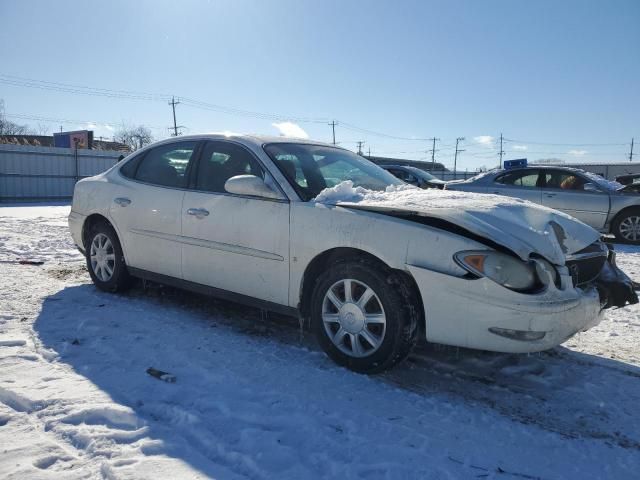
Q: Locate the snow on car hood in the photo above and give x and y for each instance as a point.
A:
(519, 225)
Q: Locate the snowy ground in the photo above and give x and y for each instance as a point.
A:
(254, 397)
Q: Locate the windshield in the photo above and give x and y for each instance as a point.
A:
(312, 168)
(603, 182)
(421, 173)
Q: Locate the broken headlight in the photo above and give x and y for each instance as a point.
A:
(508, 271)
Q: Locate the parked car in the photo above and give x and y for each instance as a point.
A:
(628, 179)
(371, 263)
(414, 176)
(604, 205)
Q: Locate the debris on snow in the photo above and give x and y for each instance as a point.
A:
(159, 374)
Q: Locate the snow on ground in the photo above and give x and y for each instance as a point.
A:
(254, 397)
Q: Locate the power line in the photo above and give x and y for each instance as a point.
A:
(510, 140)
(18, 81)
(135, 95)
(46, 119)
(349, 126)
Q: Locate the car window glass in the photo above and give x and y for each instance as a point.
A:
(220, 161)
(129, 168)
(312, 168)
(166, 165)
(527, 179)
(564, 180)
(410, 179)
(403, 175)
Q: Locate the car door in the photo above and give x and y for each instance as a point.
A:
(564, 190)
(524, 183)
(146, 207)
(234, 242)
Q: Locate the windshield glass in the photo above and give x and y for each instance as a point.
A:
(312, 168)
(603, 182)
(421, 173)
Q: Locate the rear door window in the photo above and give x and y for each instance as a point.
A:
(166, 165)
(564, 180)
(521, 178)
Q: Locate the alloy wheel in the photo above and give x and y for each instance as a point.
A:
(353, 318)
(630, 228)
(103, 258)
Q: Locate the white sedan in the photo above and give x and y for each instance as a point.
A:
(313, 230)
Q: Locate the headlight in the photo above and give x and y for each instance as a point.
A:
(504, 269)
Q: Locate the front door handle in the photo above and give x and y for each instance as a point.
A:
(122, 201)
(198, 212)
(550, 195)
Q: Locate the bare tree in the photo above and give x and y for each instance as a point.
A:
(8, 127)
(134, 137)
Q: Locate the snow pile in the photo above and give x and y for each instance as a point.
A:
(255, 399)
(407, 196)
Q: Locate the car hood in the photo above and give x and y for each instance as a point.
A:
(521, 226)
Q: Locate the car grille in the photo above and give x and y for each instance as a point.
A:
(585, 265)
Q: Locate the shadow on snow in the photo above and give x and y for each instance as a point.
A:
(222, 353)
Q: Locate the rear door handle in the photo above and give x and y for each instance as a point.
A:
(198, 212)
(122, 201)
(550, 195)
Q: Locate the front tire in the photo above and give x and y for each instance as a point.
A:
(105, 260)
(363, 316)
(626, 227)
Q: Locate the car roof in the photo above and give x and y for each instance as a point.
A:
(537, 167)
(252, 139)
(408, 167)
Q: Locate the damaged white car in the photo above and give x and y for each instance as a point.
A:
(317, 231)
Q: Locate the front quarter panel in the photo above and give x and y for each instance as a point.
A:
(620, 201)
(316, 228)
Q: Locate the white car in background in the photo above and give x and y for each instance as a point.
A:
(313, 230)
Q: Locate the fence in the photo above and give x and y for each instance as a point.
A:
(46, 173)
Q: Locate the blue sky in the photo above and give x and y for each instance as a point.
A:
(555, 77)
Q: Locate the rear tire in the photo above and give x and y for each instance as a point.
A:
(626, 227)
(105, 260)
(372, 327)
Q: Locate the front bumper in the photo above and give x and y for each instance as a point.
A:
(460, 312)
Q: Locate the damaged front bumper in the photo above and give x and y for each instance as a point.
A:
(479, 313)
(616, 289)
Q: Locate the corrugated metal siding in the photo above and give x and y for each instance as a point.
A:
(36, 173)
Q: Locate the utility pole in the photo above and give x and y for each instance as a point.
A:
(360, 148)
(501, 152)
(173, 104)
(455, 157)
(433, 152)
(333, 130)
(369, 153)
(631, 151)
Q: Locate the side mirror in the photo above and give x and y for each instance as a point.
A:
(590, 187)
(250, 185)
